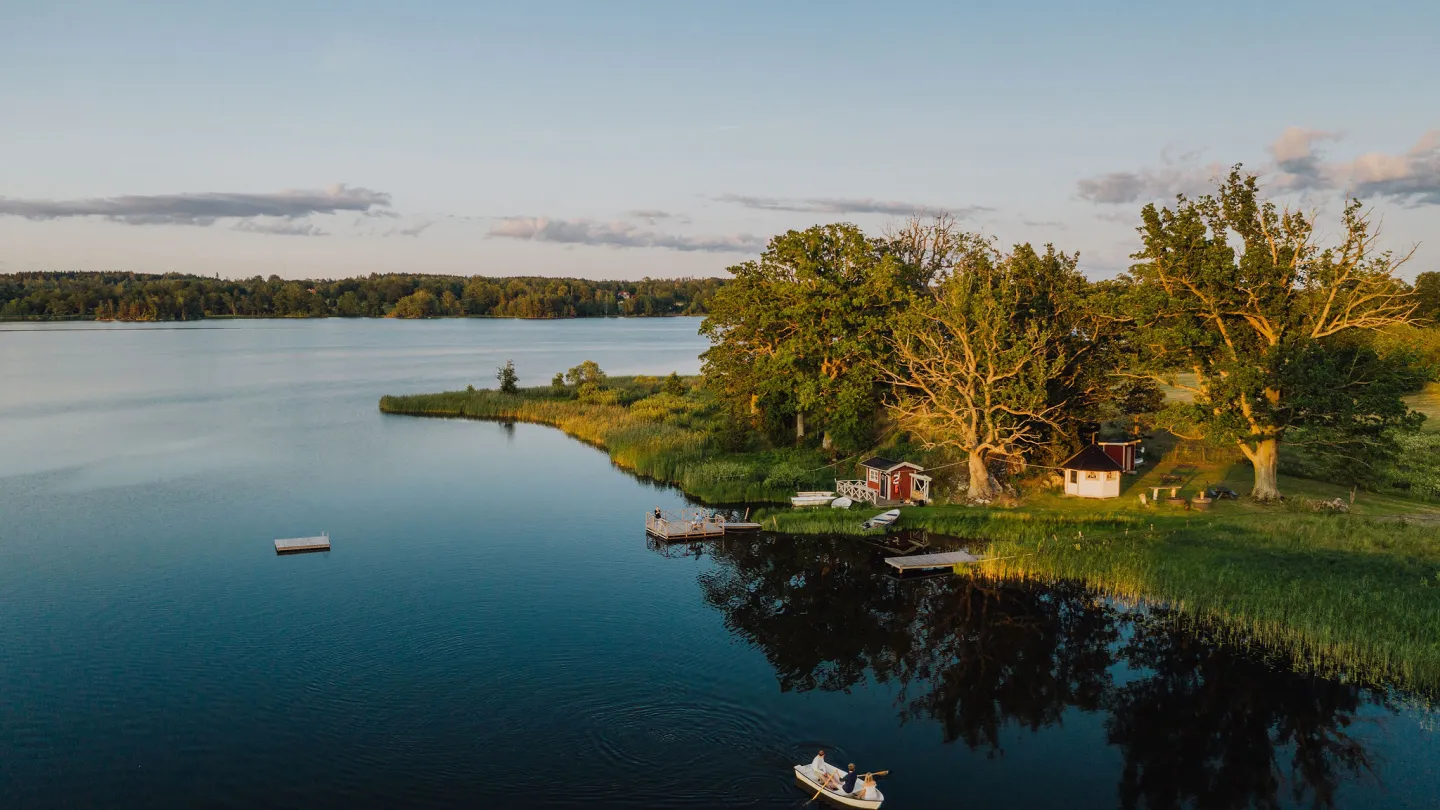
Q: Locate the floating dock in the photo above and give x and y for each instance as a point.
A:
(920, 562)
(693, 524)
(295, 545)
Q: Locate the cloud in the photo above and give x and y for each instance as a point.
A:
(1043, 223)
(413, 230)
(1411, 179)
(1149, 184)
(201, 208)
(652, 216)
(843, 205)
(282, 227)
(1297, 160)
(617, 234)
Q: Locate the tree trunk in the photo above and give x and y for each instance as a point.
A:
(799, 427)
(981, 487)
(825, 443)
(1266, 458)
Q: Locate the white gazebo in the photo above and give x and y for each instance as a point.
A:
(1091, 473)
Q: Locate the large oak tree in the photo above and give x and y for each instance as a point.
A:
(1237, 293)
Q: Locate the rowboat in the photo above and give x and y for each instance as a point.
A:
(812, 498)
(807, 776)
(841, 502)
(882, 519)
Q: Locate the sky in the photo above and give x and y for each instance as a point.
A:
(625, 139)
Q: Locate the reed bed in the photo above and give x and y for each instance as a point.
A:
(1337, 594)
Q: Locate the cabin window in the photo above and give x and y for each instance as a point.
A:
(1090, 476)
(1074, 477)
(875, 475)
(1109, 476)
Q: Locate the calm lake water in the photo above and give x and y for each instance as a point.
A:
(493, 629)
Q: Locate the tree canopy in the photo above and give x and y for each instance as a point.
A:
(1266, 327)
(180, 297)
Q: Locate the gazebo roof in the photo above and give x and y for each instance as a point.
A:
(1091, 459)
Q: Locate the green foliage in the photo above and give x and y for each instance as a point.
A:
(674, 385)
(587, 373)
(557, 383)
(1415, 466)
(1427, 295)
(789, 475)
(1266, 326)
(795, 333)
(181, 297)
(509, 380)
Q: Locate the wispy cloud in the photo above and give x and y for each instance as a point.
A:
(1150, 184)
(654, 215)
(848, 205)
(203, 208)
(1043, 223)
(617, 234)
(281, 227)
(411, 230)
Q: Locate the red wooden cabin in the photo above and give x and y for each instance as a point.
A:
(891, 480)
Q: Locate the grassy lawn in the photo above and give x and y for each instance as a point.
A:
(1428, 403)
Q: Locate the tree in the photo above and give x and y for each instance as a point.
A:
(509, 380)
(587, 372)
(1245, 320)
(1427, 294)
(987, 362)
(795, 333)
(673, 385)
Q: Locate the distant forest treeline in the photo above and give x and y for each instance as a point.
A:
(179, 297)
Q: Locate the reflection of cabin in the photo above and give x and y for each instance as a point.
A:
(888, 481)
(1126, 452)
(1092, 473)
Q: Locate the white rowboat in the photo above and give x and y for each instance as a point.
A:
(841, 502)
(882, 519)
(807, 776)
(812, 498)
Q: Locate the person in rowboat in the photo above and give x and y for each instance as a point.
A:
(848, 783)
(822, 773)
(868, 790)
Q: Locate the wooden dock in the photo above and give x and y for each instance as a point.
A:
(693, 524)
(295, 545)
(947, 559)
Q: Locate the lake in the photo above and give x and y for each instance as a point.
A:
(492, 627)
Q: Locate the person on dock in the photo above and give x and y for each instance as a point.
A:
(657, 513)
(848, 783)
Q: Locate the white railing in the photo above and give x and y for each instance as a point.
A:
(855, 490)
(920, 488)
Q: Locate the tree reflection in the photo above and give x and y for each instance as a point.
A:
(1201, 720)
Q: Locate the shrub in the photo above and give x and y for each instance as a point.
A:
(787, 475)
(674, 385)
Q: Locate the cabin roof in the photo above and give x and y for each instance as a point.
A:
(1091, 459)
(886, 465)
(1118, 440)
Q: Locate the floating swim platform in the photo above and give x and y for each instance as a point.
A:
(919, 562)
(297, 544)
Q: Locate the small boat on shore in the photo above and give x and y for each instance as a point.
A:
(881, 520)
(841, 502)
(812, 498)
(808, 777)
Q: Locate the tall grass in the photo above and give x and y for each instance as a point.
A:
(665, 437)
(1337, 594)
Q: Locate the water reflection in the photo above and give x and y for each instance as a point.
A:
(1201, 718)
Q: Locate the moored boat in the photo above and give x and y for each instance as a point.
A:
(812, 498)
(882, 519)
(808, 777)
(841, 502)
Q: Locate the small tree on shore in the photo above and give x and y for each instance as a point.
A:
(1253, 323)
(673, 385)
(509, 380)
